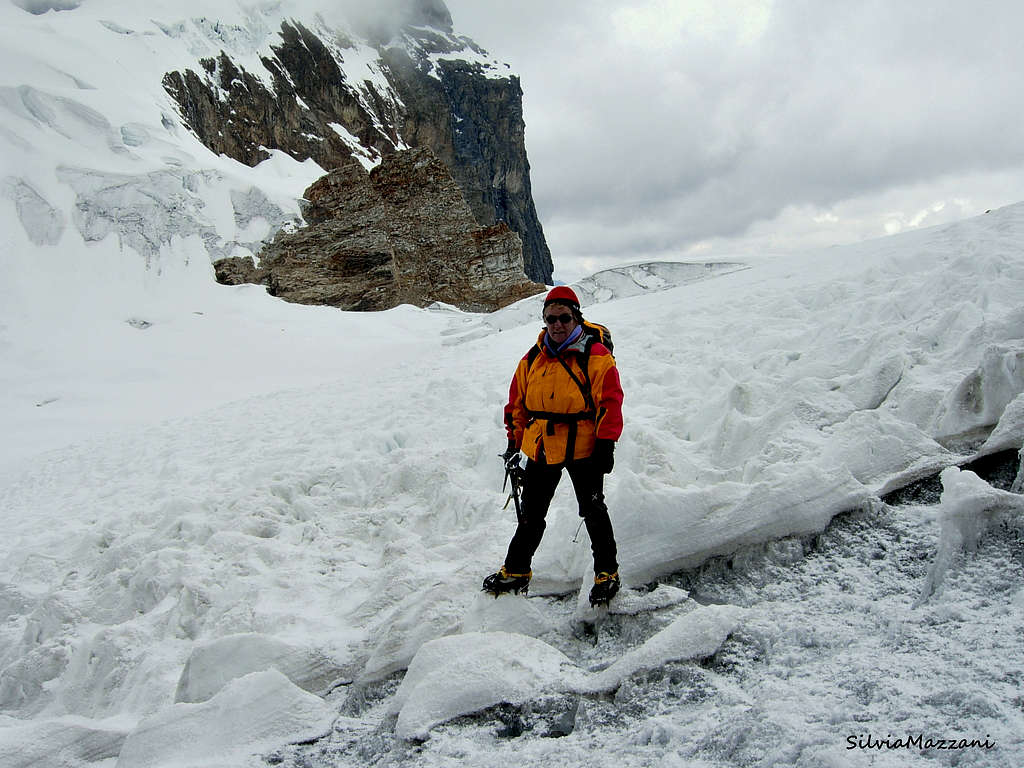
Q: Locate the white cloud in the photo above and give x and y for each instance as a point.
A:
(665, 24)
(655, 125)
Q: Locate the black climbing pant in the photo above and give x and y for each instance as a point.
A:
(539, 485)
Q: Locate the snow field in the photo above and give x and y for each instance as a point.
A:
(348, 525)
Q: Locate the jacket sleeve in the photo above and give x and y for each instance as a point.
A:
(607, 392)
(515, 409)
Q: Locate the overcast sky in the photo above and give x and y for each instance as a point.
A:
(689, 128)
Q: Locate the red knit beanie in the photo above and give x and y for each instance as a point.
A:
(562, 294)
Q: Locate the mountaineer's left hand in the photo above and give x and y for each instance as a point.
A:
(603, 455)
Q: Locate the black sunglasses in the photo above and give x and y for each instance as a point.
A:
(563, 319)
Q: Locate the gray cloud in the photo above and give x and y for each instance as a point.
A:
(656, 125)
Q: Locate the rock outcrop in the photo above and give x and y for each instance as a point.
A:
(423, 87)
(399, 234)
(475, 125)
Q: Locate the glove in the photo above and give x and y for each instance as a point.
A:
(603, 455)
(511, 455)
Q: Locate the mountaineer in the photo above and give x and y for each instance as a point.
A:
(564, 412)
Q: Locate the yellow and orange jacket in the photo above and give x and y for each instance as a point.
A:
(547, 414)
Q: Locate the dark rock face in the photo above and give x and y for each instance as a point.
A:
(233, 112)
(400, 234)
(475, 125)
(471, 119)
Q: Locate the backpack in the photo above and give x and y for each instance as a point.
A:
(601, 332)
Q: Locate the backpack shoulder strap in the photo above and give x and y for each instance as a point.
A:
(584, 357)
(532, 355)
(584, 386)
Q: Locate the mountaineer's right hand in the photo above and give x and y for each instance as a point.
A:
(511, 455)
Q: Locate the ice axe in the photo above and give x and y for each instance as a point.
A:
(514, 477)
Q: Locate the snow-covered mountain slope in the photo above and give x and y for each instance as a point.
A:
(93, 144)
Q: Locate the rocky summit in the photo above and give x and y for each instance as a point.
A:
(333, 95)
(401, 233)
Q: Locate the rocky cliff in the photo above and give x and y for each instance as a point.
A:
(367, 92)
(399, 234)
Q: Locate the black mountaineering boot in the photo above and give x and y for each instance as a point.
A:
(501, 582)
(606, 586)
